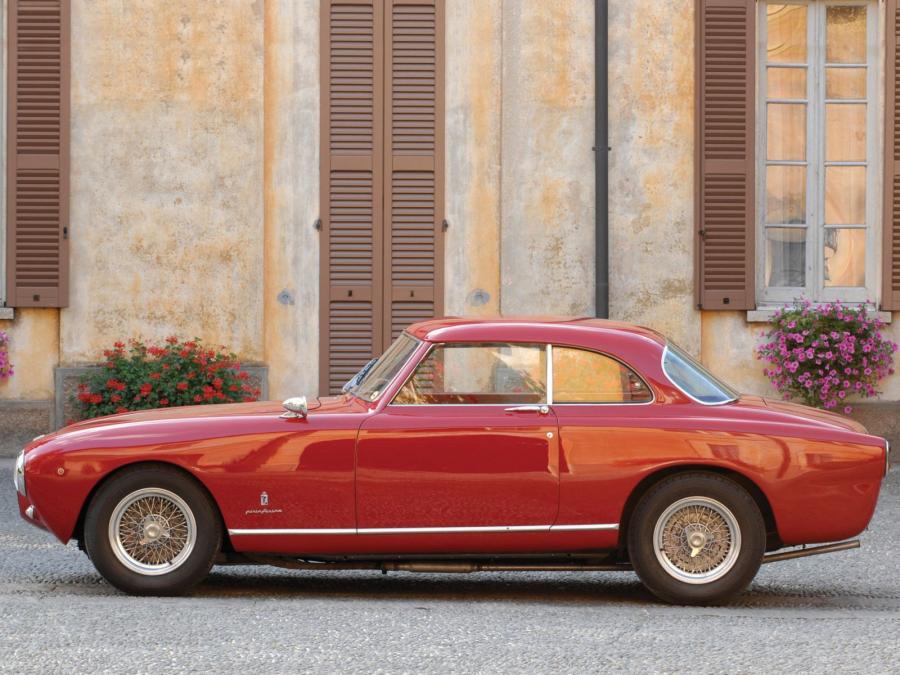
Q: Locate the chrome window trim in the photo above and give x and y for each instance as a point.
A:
(549, 377)
(549, 383)
(678, 387)
(578, 527)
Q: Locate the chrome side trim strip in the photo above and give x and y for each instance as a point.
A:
(572, 528)
(264, 531)
(428, 530)
(453, 530)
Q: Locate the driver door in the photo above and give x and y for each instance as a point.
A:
(468, 444)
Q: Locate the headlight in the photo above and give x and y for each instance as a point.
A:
(19, 474)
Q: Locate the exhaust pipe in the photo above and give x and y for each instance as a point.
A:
(813, 550)
(467, 568)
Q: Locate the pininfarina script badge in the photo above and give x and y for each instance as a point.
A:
(264, 506)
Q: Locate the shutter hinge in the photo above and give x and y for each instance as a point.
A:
(445, 225)
(318, 224)
(702, 233)
(65, 232)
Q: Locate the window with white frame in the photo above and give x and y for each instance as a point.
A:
(818, 138)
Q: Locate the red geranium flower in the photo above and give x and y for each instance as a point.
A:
(146, 388)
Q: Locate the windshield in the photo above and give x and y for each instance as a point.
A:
(693, 379)
(386, 368)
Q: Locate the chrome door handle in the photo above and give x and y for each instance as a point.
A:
(542, 409)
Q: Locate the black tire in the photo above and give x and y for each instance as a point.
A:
(665, 576)
(192, 562)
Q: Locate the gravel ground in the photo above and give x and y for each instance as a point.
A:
(838, 612)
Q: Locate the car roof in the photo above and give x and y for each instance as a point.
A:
(575, 330)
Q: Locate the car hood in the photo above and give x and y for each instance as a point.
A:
(186, 414)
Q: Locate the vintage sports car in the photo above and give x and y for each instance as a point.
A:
(470, 445)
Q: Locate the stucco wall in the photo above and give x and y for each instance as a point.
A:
(547, 164)
(651, 183)
(291, 170)
(473, 96)
(34, 352)
(166, 188)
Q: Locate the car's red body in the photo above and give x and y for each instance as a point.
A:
(347, 477)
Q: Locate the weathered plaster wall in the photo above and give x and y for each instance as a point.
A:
(728, 350)
(473, 106)
(166, 213)
(291, 196)
(34, 352)
(547, 165)
(651, 123)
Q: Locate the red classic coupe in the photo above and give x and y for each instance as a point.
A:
(470, 445)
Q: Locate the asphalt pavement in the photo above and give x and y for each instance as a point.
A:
(838, 612)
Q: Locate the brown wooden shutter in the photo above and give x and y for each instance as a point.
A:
(38, 154)
(351, 195)
(890, 288)
(725, 181)
(382, 176)
(414, 159)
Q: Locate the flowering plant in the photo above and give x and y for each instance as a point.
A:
(160, 376)
(823, 354)
(6, 368)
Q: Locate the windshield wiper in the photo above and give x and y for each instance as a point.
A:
(354, 382)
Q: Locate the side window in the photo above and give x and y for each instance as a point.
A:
(471, 374)
(580, 376)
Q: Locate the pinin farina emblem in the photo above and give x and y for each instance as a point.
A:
(263, 498)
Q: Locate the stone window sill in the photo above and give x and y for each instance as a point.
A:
(7, 314)
(766, 314)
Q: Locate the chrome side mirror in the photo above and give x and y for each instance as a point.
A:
(295, 408)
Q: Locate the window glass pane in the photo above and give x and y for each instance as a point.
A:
(478, 374)
(845, 132)
(785, 257)
(786, 82)
(845, 257)
(845, 34)
(786, 195)
(580, 376)
(786, 131)
(693, 379)
(845, 83)
(386, 368)
(845, 195)
(786, 29)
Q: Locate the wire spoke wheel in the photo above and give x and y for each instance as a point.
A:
(152, 531)
(697, 540)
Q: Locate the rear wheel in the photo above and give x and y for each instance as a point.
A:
(696, 538)
(152, 531)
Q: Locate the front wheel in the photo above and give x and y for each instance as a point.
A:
(152, 531)
(696, 539)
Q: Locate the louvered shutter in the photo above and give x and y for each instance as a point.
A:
(38, 153)
(890, 291)
(725, 184)
(413, 204)
(351, 179)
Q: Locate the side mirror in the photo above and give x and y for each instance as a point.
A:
(295, 408)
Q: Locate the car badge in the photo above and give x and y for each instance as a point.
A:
(263, 499)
